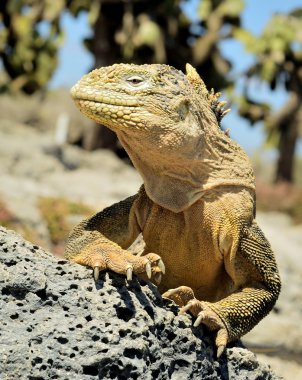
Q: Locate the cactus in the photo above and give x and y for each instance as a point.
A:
(29, 39)
(278, 62)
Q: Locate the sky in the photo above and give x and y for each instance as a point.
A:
(75, 61)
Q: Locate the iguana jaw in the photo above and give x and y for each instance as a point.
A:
(105, 109)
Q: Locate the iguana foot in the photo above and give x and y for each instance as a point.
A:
(184, 297)
(122, 262)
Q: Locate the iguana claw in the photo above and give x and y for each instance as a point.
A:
(220, 350)
(129, 273)
(186, 308)
(161, 266)
(148, 270)
(198, 321)
(96, 273)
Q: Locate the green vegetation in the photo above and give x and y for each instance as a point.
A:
(278, 53)
(29, 56)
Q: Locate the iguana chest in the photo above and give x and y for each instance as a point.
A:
(188, 243)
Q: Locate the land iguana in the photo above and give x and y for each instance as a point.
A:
(196, 208)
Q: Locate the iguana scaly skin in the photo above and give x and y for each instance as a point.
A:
(196, 208)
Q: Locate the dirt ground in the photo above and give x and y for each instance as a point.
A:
(31, 167)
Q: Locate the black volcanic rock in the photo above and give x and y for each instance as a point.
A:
(57, 323)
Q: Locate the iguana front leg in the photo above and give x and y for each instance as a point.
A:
(100, 242)
(254, 272)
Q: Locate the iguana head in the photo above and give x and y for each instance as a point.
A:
(169, 125)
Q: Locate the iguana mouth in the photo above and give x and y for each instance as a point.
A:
(105, 101)
(95, 104)
(102, 98)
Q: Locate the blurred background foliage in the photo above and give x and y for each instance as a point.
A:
(143, 31)
(278, 61)
(28, 56)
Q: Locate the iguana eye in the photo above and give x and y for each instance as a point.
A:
(135, 80)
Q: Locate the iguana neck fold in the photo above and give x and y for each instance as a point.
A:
(175, 183)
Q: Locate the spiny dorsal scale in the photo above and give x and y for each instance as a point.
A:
(217, 106)
(212, 96)
(196, 81)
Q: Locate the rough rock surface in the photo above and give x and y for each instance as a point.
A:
(56, 323)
